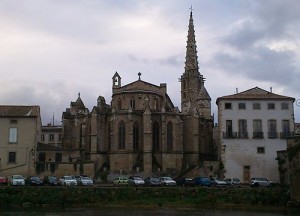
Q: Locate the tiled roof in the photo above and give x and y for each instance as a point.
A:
(255, 93)
(19, 111)
(47, 147)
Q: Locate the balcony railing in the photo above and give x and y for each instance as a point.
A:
(258, 135)
(284, 135)
(243, 135)
(229, 135)
(273, 135)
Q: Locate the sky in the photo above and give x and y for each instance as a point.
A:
(50, 50)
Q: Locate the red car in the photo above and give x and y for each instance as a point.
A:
(3, 180)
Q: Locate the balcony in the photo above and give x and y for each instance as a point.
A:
(272, 135)
(258, 135)
(284, 135)
(243, 135)
(229, 135)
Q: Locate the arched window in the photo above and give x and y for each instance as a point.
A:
(156, 106)
(155, 136)
(132, 103)
(119, 104)
(121, 135)
(136, 136)
(169, 136)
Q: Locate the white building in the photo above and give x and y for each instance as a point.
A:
(253, 126)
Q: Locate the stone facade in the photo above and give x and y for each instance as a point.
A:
(141, 130)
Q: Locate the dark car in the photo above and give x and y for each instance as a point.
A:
(152, 181)
(202, 181)
(185, 182)
(50, 180)
(33, 180)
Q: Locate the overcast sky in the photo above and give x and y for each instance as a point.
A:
(52, 49)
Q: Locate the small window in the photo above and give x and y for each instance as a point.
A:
(51, 137)
(256, 106)
(242, 106)
(227, 105)
(284, 106)
(59, 137)
(260, 150)
(271, 106)
(43, 137)
(12, 157)
(13, 121)
(13, 134)
(132, 103)
(58, 157)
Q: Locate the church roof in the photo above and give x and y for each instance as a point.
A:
(203, 94)
(47, 147)
(255, 93)
(19, 111)
(78, 103)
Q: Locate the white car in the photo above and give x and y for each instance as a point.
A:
(17, 180)
(167, 181)
(67, 181)
(255, 182)
(84, 180)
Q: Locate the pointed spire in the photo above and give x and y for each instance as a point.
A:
(191, 59)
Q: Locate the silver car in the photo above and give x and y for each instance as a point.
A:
(84, 180)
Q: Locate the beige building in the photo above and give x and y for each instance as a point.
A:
(20, 132)
(52, 135)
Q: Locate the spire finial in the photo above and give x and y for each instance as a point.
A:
(78, 94)
(191, 8)
(139, 74)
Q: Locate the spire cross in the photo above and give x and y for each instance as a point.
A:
(191, 8)
(139, 74)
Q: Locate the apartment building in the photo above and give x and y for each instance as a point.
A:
(20, 131)
(253, 126)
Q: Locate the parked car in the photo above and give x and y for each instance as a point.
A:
(4, 180)
(185, 182)
(121, 180)
(255, 182)
(218, 182)
(152, 181)
(50, 180)
(136, 181)
(67, 181)
(167, 181)
(233, 182)
(84, 180)
(202, 181)
(17, 180)
(33, 181)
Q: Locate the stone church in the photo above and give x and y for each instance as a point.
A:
(141, 130)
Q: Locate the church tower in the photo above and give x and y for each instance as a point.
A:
(194, 97)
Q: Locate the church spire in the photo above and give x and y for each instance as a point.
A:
(191, 59)
(194, 96)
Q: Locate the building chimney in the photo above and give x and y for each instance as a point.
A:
(271, 89)
(236, 90)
